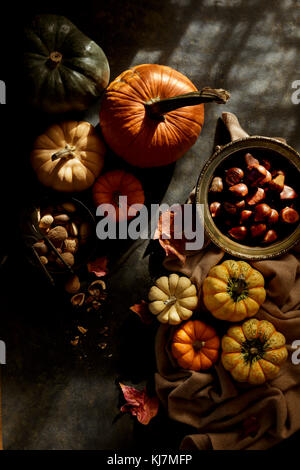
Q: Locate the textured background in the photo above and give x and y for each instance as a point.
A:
(52, 398)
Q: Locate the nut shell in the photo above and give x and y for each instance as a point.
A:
(72, 285)
(41, 247)
(71, 245)
(68, 257)
(57, 235)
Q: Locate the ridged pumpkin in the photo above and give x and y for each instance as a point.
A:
(254, 351)
(64, 70)
(173, 299)
(233, 291)
(195, 345)
(68, 156)
(109, 187)
(151, 114)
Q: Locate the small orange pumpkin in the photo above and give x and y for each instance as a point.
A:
(109, 187)
(68, 156)
(151, 114)
(195, 345)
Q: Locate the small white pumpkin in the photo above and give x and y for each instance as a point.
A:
(173, 299)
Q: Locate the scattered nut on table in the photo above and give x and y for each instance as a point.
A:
(72, 285)
(78, 299)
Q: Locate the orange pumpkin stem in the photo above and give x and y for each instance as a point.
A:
(54, 59)
(156, 108)
(67, 152)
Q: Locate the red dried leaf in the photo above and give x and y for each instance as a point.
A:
(139, 404)
(169, 234)
(250, 426)
(142, 311)
(98, 266)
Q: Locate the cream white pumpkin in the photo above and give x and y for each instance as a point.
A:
(69, 156)
(173, 299)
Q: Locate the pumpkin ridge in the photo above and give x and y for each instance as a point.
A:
(181, 131)
(263, 372)
(179, 114)
(130, 98)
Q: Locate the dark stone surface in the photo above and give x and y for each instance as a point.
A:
(59, 397)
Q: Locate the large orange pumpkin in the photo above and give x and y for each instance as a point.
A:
(195, 345)
(111, 185)
(145, 119)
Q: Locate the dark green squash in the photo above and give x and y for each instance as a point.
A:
(64, 69)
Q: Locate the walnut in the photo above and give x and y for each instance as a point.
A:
(68, 257)
(71, 245)
(57, 235)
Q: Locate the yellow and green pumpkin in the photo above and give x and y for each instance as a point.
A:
(233, 291)
(254, 351)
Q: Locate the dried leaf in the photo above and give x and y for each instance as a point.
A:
(142, 311)
(98, 266)
(170, 235)
(250, 426)
(139, 404)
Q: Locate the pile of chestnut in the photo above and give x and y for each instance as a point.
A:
(252, 202)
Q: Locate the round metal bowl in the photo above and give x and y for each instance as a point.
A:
(85, 253)
(248, 144)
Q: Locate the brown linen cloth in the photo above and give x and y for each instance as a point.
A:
(212, 402)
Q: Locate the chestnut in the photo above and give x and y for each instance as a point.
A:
(267, 179)
(289, 215)
(234, 176)
(239, 190)
(266, 163)
(216, 185)
(233, 207)
(261, 212)
(250, 160)
(230, 207)
(277, 183)
(239, 233)
(288, 193)
(256, 196)
(257, 230)
(256, 175)
(270, 236)
(273, 217)
(215, 208)
(245, 215)
(240, 205)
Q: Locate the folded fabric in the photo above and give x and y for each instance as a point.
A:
(221, 410)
